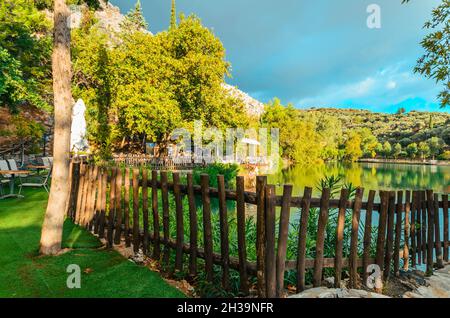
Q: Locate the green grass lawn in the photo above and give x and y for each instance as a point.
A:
(105, 273)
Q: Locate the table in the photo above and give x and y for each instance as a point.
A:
(13, 174)
(37, 167)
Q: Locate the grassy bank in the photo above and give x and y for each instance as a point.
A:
(104, 273)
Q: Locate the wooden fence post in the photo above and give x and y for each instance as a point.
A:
(155, 213)
(98, 203)
(390, 236)
(119, 211)
(424, 226)
(407, 231)
(102, 221)
(86, 180)
(368, 234)
(74, 179)
(419, 228)
(80, 193)
(127, 208)
(179, 222)
(136, 235)
(112, 205)
(193, 227)
(446, 229)
(93, 199)
(146, 238)
(242, 247)
(166, 218)
(322, 223)
(413, 231)
(207, 231)
(224, 240)
(343, 202)
(437, 233)
(398, 232)
(382, 224)
(270, 242)
(353, 259)
(302, 236)
(430, 237)
(283, 238)
(261, 182)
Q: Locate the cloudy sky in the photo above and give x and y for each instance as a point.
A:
(316, 53)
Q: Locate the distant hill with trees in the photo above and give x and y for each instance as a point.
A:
(323, 134)
(403, 128)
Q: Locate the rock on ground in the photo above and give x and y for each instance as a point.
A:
(324, 292)
(438, 286)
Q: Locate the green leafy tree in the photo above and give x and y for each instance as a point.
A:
(299, 140)
(353, 149)
(142, 86)
(397, 150)
(412, 150)
(424, 150)
(401, 111)
(134, 20)
(379, 148)
(25, 55)
(369, 143)
(435, 63)
(434, 143)
(387, 149)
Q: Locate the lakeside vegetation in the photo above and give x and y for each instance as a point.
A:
(318, 135)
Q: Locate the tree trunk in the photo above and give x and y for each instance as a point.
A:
(54, 218)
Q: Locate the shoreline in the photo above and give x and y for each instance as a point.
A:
(407, 162)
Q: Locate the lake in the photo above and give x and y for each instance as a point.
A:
(371, 176)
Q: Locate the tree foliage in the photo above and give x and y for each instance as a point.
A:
(435, 63)
(143, 86)
(25, 55)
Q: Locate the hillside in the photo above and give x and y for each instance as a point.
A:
(395, 128)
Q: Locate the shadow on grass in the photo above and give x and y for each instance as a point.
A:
(104, 273)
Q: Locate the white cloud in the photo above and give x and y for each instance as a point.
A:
(391, 85)
(386, 87)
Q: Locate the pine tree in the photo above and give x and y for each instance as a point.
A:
(173, 15)
(134, 20)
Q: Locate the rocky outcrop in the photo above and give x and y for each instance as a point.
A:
(324, 292)
(253, 107)
(436, 286)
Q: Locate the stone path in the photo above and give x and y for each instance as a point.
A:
(438, 286)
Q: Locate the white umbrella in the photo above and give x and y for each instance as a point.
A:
(78, 142)
(250, 141)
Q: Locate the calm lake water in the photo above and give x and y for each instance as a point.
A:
(371, 176)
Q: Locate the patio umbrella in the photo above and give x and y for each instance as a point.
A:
(78, 141)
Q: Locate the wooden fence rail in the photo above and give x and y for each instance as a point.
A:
(114, 203)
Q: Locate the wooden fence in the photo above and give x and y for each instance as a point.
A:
(157, 163)
(107, 202)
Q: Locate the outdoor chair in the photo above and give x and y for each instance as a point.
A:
(46, 161)
(13, 166)
(4, 179)
(42, 183)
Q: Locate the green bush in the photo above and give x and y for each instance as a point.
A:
(229, 171)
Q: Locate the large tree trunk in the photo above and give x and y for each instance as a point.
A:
(59, 193)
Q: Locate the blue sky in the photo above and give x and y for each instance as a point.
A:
(316, 53)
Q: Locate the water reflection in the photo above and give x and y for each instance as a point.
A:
(371, 176)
